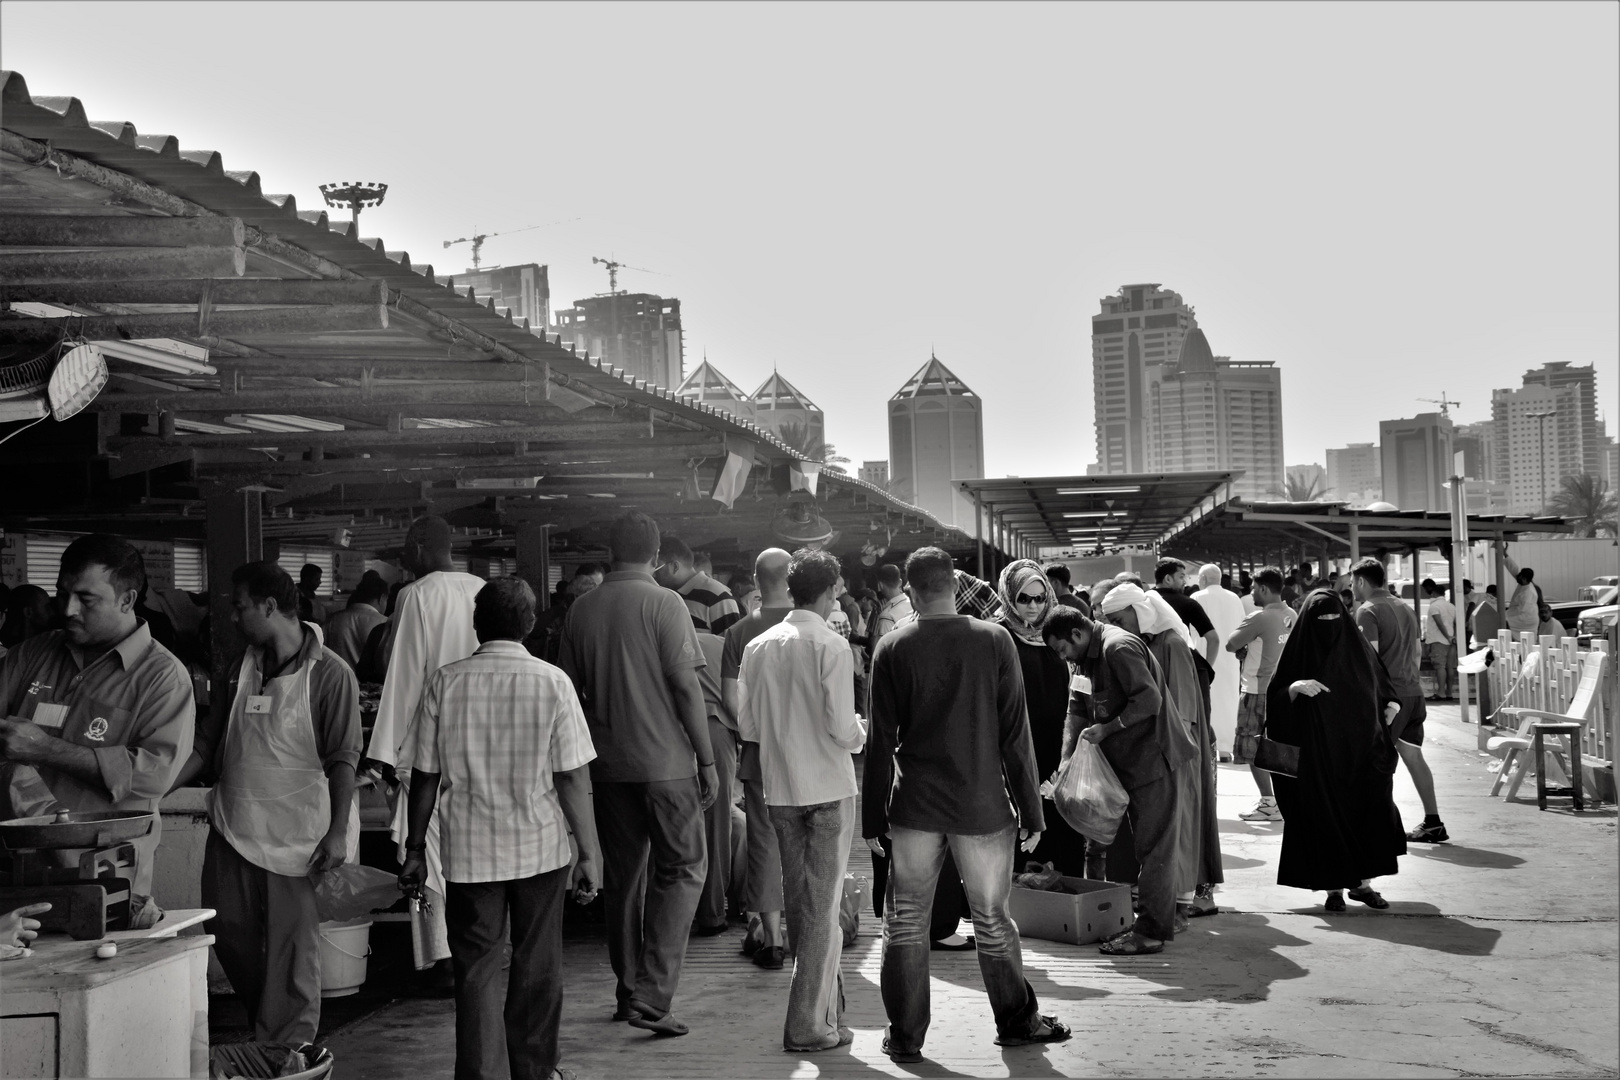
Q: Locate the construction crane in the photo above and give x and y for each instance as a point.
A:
(477, 239)
(613, 268)
(1442, 401)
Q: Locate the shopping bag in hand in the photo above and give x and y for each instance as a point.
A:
(1090, 796)
(849, 907)
(353, 890)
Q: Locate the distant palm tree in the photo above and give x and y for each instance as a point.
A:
(798, 436)
(1300, 486)
(1586, 502)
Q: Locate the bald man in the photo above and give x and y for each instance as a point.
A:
(433, 626)
(764, 890)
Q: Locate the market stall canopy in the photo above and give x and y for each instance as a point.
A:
(1123, 510)
(253, 346)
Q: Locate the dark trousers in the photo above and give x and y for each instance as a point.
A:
(1153, 814)
(717, 827)
(523, 1015)
(650, 915)
(764, 888)
(267, 938)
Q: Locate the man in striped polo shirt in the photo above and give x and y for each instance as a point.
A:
(712, 606)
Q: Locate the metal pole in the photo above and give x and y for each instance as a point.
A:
(1355, 543)
(978, 532)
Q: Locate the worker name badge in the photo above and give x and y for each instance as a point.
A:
(1080, 684)
(258, 705)
(50, 716)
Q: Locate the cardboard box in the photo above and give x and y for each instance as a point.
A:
(1094, 911)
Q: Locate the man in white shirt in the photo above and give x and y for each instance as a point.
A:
(1522, 611)
(1225, 611)
(796, 689)
(896, 608)
(502, 734)
(433, 626)
(1440, 640)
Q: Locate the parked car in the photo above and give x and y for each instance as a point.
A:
(1600, 584)
(1570, 612)
(1596, 622)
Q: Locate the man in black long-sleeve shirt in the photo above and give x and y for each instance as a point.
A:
(950, 742)
(1118, 702)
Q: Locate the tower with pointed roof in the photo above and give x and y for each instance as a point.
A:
(936, 435)
(785, 411)
(1208, 412)
(707, 386)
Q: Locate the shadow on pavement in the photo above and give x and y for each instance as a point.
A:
(1251, 828)
(1465, 856)
(1415, 925)
(1235, 862)
(1228, 957)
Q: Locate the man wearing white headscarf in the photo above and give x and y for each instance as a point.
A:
(1225, 610)
(1198, 857)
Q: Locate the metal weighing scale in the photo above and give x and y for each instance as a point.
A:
(81, 863)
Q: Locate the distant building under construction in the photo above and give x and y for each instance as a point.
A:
(636, 332)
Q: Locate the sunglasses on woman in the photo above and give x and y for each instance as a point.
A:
(1026, 599)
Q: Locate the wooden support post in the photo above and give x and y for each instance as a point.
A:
(978, 532)
(534, 559)
(235, 536)
(1355, 543)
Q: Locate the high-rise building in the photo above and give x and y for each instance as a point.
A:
(1140, 328)
(1611, 464)
(636, 332)
(936, 435)
(781, 408)
(707, 386)
(1581, 406)
(1476, 442)
(1539, 441)
(524, 290)
(875, 473)
(1207, 412)
(1416, 461)
(1353, 474)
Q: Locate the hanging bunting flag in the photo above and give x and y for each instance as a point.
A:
(802, 476)
(734, 474)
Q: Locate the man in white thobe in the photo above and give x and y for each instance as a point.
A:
(1225, 610)
(433, 626)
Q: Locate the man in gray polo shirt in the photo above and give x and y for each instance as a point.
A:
(630, 648)
(1391, 628)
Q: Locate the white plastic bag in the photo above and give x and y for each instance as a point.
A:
(1089, 794)
(353, 890)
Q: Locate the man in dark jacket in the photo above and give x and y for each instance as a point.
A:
(950, 743)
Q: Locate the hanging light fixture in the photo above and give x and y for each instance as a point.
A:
(76, 380)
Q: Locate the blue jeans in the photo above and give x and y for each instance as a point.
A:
(985, 863)
(814, 842)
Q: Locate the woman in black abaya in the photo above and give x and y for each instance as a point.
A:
(1330, 697)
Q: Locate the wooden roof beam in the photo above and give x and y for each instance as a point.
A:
(119, 264)
(191, 290)
(204, 324)
(118, 230)
(628, 434)
(428, 397)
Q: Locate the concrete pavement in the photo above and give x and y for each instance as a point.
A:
(1497, 957)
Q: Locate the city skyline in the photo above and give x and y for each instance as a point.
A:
(1440, 228)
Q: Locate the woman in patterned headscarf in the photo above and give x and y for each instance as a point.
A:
(1026, 599)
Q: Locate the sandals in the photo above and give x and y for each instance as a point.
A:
(1047, 1029)
(1128, 944)
(1368, 897)
(1334, 902)
(665, 1026)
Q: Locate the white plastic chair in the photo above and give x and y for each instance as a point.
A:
(1517, 760)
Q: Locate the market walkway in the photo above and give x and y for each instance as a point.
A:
(1497, 957)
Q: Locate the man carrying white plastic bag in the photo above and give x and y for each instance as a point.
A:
(1118, 706)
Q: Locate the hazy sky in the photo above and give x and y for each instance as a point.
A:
(1390, 201)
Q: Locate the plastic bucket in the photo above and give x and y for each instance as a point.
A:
(344, 949)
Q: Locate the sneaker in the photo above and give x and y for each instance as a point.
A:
(1264, 810)
(1429, 834)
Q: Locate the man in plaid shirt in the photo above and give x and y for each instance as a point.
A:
(504, 736)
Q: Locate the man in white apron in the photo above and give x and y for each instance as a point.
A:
(433, 626)
(282, 807)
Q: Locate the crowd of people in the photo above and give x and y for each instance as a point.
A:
(686, 749)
